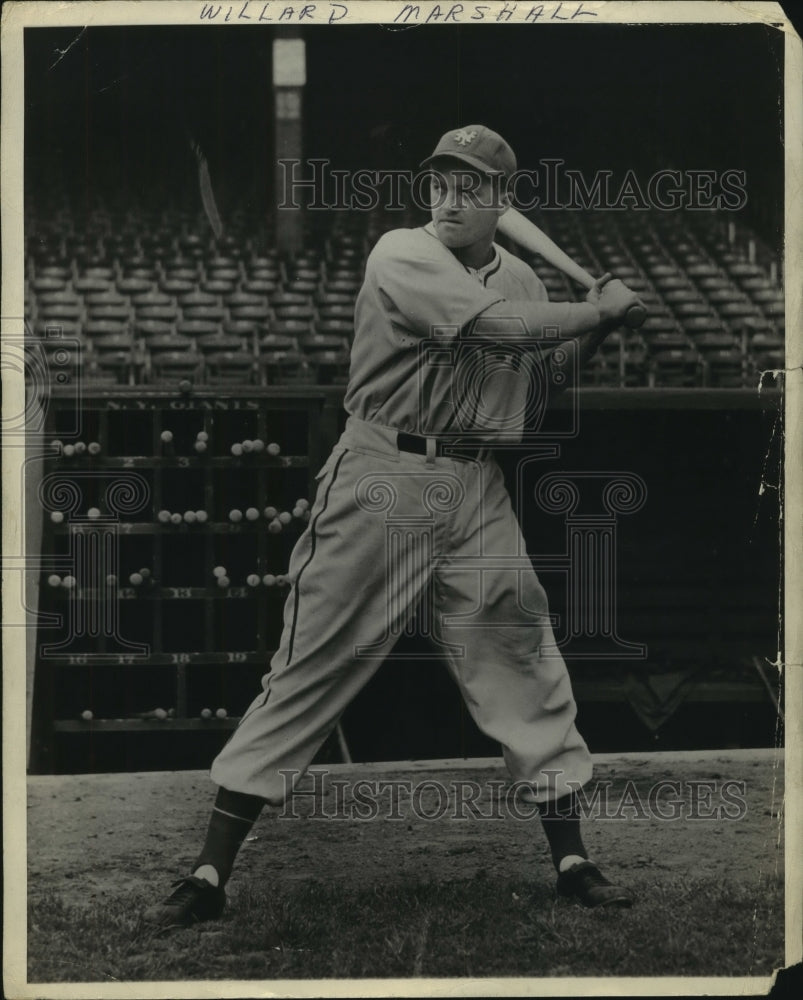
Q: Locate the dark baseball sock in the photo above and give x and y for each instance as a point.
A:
(233, 815)
(560, 819)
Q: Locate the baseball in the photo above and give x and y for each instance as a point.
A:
(252, 580)
(219, 571)
(221, 713)
(281, 580)
(68, 450)
(247, 446)
(87, 715)
(190, 516)
(176, 518)
(56, 516)
(163, 517)
(135, 579)
(285, 517)
(160, 713)
(274, 449)
(93, 448)
(252, 514)
(271, 512)
(145, 573)
(206, 713)
(185, 385)
(166, 436)
(275, 526)
(223, 582)
(259, 444)
(302, 503)
(235, 515)
(68, 582)
(200, 447)
(298, 512)
(202, 436)
(93, 513)
(201, 516)
(111, 580)
(269, 580)
(57, 445)
(237, 449)
(54, 580)
(80, 447)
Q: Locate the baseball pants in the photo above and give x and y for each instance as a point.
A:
(393, 533)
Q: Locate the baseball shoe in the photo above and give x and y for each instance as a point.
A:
(192, 901)
(585, 883)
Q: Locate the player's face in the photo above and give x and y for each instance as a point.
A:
(465, 204)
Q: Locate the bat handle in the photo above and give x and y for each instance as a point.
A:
(635, 316)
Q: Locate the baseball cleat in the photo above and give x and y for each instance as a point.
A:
(585, 883)
(192, 901)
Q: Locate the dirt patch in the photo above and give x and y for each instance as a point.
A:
(93, 834)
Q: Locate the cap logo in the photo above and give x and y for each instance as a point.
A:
(464, 137)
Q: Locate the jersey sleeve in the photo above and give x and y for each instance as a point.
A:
(424, 290)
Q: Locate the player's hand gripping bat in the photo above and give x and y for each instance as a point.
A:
(528, 236)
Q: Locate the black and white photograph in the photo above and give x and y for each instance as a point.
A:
(401, 498)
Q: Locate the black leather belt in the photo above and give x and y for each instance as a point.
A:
(448, 449)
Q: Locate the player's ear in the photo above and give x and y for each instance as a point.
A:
(504, 202)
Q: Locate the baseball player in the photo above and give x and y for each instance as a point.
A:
(411, 503)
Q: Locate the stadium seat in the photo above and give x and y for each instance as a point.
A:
(243, 328)
(313, 343)
(176, 286)
(282, 367)
(675, 367)
(197, 328)
(146, 328)
(198, 299)
(106, 310)
(103, 327)
(336, 327)
(65, 310)
(336, 310)
(59, 273)
(171, 343)
(229, 368)
(260, 286)
(725, 367)
(690, 309)
(164, 313)
(282, 299)
(278, 342)
(49, 284)
(293, 327)
(45, 329)
(218, 286)
(220, 342)
(252, 314)
(301, 287)
(286, 311)
(118, 364)
(330, 367)
(171, 365)
(206, 314)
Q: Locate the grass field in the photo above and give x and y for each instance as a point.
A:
(347, 898)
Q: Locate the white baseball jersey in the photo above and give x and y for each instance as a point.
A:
(418, 298)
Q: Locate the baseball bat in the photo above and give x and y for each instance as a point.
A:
(528, 236)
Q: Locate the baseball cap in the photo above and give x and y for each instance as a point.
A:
(478, 146)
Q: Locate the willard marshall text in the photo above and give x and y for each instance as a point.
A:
(407, 13)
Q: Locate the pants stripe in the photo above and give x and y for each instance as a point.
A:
(311, 555)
